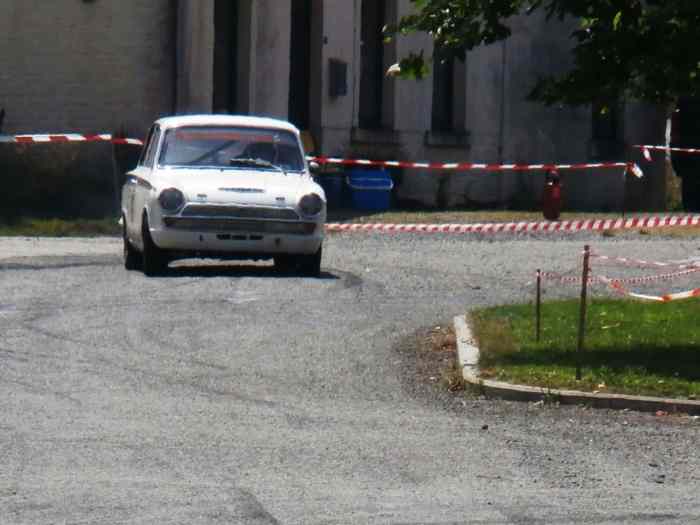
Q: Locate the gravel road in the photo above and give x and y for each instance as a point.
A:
(228, 394)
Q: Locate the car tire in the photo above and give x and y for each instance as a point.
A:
(284, 263)
(154, 260)
(310, 265)
(132, 258)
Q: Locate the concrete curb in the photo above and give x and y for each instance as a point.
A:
(468, 356)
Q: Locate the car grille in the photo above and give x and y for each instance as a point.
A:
(241, 212)
(234, 225)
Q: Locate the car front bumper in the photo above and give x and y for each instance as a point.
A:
(236, 240)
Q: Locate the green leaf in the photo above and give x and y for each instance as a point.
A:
(639, 48)
(616, 20)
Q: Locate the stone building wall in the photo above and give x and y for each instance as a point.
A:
(84, 67)
(72, 65)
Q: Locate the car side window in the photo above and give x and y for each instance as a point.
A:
(152, 147)
(146, 145)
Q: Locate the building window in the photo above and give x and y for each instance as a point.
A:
(605, 121)
(372, 63)
(300, 64)
(443, 116)
(606, 130)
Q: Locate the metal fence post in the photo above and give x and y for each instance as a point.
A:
(538, 304)
(582, 311)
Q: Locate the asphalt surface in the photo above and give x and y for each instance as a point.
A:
(229, 394)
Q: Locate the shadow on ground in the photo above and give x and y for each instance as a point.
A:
(238, 270)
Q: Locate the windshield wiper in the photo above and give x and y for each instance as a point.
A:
(256, 162)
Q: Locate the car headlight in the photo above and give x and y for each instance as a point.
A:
(171, 199)
(311, 204)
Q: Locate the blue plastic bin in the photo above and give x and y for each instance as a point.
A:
(370, 189)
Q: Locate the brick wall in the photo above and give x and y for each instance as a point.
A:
(79, 66)
(86, 66)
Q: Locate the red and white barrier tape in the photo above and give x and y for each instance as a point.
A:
(651, 278)
(646, 150)
(467, 166)
(551, 276)
(617, 286)
(523, 227)
(569, 279)
(73, 137)
(631, 167)
(643, 263)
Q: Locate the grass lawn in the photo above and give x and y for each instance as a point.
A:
(35, 227)
(631, 347)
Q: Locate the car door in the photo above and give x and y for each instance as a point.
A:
(129, 189)
(140, 182)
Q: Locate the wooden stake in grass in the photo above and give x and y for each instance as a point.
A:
(538, 303)
(582, 317)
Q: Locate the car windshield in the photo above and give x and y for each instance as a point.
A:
(231, 147)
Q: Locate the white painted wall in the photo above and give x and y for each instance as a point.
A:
(270, 69)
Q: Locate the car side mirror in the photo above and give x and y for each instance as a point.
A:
(314, 167)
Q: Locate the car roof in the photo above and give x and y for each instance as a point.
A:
(226, 120)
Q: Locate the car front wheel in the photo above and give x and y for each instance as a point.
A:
(307, 265)
(310, 265)
(154, 260)
(284, 263)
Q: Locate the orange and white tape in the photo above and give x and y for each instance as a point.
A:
(569, 279)
(566, 279)
(617, 286)
(650, 278)
(642, 263)
(523, 227)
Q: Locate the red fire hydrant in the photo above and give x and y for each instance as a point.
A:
(551, 196)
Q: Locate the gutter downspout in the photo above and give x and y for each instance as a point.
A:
(502, 120)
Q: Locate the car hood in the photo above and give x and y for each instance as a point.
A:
(224, 186)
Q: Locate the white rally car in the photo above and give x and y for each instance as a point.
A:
(226, 187)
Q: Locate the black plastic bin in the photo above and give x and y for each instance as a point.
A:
(332, 184)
